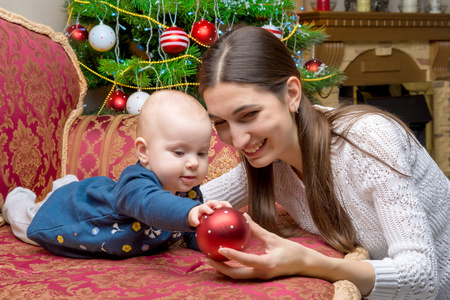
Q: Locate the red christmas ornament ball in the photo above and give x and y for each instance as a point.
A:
(313, 65)
(117, 101)
(226, 227)
(77, 32)
(205, 32)
(174, 40)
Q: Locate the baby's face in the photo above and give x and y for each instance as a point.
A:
(178, 152)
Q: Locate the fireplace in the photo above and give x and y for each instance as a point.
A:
(407, 52)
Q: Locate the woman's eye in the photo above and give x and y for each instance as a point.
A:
(250, 114)
(220, 123)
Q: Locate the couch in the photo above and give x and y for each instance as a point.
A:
(43, 136)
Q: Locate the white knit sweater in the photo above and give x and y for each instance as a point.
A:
(403, 221)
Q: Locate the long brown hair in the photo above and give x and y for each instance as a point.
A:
(251, 55)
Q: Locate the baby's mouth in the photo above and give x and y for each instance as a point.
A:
(188, 179)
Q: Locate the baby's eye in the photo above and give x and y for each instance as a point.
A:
(201, 154)
(178, 153)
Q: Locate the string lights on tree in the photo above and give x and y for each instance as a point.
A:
(139, 46)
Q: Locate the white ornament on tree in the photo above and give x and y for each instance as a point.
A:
(136, 101)
(102, 37)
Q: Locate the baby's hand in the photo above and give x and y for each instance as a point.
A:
(194, 215)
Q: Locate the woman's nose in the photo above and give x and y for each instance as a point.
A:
(239, 136)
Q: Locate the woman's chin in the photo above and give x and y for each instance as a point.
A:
(258, 163)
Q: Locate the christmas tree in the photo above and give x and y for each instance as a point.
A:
(135, 47)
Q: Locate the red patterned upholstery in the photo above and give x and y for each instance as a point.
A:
(43, 137)
(101, 145)
(104, 146)
(39, 87)
(180, 273)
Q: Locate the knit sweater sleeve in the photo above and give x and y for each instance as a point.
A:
(410, 269)
(231, 187)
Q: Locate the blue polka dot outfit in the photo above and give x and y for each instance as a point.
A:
(100, 218)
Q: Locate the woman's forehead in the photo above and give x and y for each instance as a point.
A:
(229, 95)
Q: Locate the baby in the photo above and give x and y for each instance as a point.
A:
(153, 203)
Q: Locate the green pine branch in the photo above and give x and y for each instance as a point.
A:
(140, 23)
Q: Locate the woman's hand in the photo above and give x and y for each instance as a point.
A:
(287, 258)
(283, 257)
(194, 215)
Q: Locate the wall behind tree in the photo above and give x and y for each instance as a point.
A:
(49, 12)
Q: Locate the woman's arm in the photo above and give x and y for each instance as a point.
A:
(231, 187)
(391, 210)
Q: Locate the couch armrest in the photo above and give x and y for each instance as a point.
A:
(41, 87)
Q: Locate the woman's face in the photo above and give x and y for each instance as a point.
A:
(253, 121)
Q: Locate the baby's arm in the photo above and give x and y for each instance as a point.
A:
(194, 215)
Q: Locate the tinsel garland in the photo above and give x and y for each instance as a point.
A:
(139, 24)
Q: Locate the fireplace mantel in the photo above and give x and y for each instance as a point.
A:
(377, 48)
(380, 26)
(355, 28)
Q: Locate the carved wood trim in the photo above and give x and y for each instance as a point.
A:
(380, 26)
(439, 60)
(370, 69)
(330, 53)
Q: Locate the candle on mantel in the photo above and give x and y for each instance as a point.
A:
(435, 6)
(363, 5)
(409, 6)
(323, 5)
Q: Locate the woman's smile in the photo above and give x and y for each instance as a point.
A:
(258, 124)
(254, 150)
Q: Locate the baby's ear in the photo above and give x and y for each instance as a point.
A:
(140, 146)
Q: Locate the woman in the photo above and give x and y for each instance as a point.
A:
(353, 175)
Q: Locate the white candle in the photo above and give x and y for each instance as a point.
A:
(435, 6)
(409, 6)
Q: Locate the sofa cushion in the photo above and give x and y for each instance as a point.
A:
(104, 146)
(180, 273)
(40, 85)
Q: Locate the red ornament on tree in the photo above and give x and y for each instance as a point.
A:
(117, 101)
(204, 31)
(77, 33)
(274, 29)
(174, 40)
(226, 227)
(313, 65)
